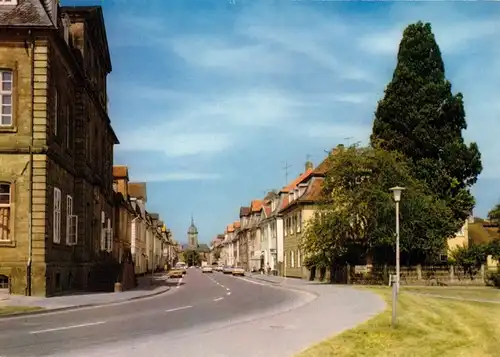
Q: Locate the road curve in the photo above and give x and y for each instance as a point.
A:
(198, 301)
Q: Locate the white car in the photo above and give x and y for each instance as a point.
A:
(206, 269)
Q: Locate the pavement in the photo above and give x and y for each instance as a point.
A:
(209, 315)
(147, 286)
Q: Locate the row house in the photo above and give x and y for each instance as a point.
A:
(303, 194)
(228, 256)
(243, 236)
(140, 238)
(236, 243)
(216, 245)
(255, 257)
(56, 148)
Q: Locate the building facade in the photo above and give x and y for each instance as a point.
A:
(56, 147)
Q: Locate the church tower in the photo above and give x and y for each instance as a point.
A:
(192, 235)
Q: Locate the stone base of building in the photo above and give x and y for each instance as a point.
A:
(59, 279)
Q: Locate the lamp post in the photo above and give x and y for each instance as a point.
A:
(397, 198)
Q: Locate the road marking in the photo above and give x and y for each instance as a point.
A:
(228, 289)
(68, 327)
(255, 282)
(179, 308)
(218, 299)
(222, 286)
(179, 283)
(228, 294)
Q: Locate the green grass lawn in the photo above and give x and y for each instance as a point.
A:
(8, 310)
(427, 327)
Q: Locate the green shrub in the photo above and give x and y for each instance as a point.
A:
(493, 279)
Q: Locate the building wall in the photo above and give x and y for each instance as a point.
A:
(294, 257)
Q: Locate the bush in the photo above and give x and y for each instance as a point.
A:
(493, 279)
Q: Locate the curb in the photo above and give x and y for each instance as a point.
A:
(287, 287)
(83, 306)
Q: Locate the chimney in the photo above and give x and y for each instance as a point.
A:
(309, 165)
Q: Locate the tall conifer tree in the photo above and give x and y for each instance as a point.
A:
(421, 118)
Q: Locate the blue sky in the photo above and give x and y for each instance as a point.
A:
(211, 98)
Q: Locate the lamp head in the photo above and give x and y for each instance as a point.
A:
(397, 193)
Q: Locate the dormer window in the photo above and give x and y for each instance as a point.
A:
(273, 205)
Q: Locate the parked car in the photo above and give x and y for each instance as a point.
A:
(238, 271)
(206, 269)
(227, 270)
(219, 268)
(181, 267)
(175, 273)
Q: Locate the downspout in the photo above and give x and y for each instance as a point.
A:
(30, 171)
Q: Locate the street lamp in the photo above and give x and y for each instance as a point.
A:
(397, 198)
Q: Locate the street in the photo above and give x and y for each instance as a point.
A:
(198, 301)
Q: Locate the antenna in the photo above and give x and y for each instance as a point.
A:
(348, 139)
(286, 167)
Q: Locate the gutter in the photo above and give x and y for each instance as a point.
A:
(30, 173)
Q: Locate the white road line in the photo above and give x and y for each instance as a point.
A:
(68, 327)
(179, 283)
(255, 282)
(179, 308)
(218, 299)
(228, 294)
(228, 289)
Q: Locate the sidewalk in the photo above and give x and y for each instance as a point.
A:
(146, 287)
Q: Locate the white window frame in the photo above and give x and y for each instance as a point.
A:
(56, 216)
(6, 93)
(8, 207)
(292, 259)
(8, 2)
(298, 259)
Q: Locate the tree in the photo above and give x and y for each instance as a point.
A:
(192, 257)
(470, 258)
(421, 118)
(357, 211)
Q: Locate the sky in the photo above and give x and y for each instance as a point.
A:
(211, 99)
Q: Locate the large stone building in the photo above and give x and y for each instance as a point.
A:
(56, 147)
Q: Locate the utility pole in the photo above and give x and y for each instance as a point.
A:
(286, 167)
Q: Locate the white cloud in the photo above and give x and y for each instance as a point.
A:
(176, 176)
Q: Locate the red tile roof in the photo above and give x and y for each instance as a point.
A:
(303, 176)
(236, 224)
(256, 205)
(120, 171)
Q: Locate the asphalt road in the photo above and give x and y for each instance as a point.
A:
(197, 301)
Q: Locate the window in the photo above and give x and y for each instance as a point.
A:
(299, 221)
(461, 231)
(5, 202)
(56, 111)
(107, 235)
(298, 258)
(292, 259)
(8, 2)
(57, 216)
(273, 205)
(6, 97)
(71, 223)
(69, 136)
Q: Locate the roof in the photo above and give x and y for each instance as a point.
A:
(311, 195)
(244, 211)
(297, 180)
(27, 13)
(256, 205)
(230, 228)
(236, 224)
(137, 190)
(120, 171)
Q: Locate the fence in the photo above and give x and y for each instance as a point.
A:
(419, 275)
